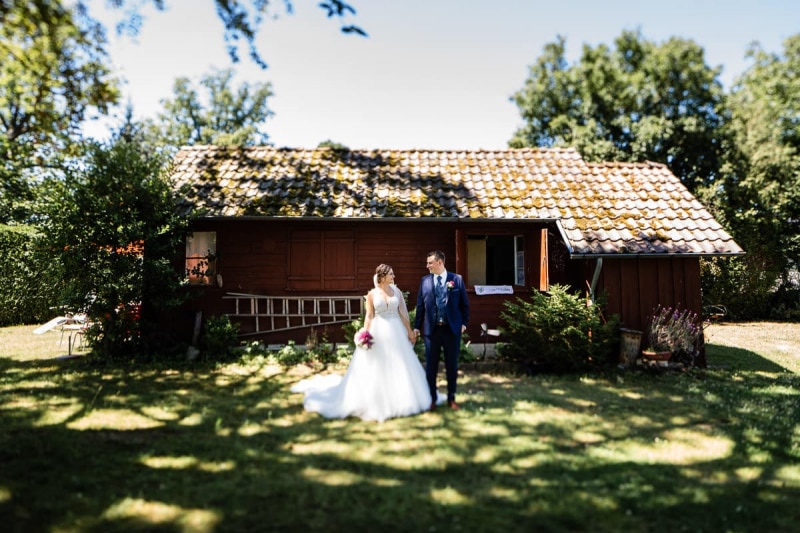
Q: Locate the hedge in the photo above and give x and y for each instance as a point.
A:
(29, 279)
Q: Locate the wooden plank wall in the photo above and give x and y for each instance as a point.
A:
(635, 286)
(253, 258)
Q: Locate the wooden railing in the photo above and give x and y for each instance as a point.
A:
(282, 313)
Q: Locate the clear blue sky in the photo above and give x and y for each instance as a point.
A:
(432, 73)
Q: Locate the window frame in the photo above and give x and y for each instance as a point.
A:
(515, 260)
(200, 261)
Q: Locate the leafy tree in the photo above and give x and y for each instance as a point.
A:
(638, 101)
(241, 20)
(333, 145)
(758, 194)
(114, 227)
(229, 118)
(52, 75)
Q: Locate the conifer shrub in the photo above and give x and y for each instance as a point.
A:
(558, 332)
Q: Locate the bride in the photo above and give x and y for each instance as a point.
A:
(384, 380)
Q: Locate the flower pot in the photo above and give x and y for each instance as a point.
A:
(661, 357)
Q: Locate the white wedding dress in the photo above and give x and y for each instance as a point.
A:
(382, 382)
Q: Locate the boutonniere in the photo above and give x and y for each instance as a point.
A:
(451, 285)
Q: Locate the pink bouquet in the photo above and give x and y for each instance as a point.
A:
(451, 285)
(363, 339)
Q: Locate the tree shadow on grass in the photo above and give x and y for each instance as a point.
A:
(739, 359)
(230, 449)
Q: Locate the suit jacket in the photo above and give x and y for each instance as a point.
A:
(456, 304)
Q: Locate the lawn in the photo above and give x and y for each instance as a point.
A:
(214, 448)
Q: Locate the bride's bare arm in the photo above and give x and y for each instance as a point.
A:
(404, 315)
(370, 312)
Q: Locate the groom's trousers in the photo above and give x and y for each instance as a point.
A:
(442, 340)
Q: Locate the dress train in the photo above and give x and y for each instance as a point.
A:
(382, 382)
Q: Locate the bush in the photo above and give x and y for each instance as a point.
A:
(219, 338)
(558, 332)
(742, 285)
(29, 281)
(319, 349)
(290, 355)
(115, 233)
(785, 303)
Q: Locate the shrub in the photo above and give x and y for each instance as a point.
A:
(29, 281)
(675, 331)
(219, 338)
(115, 233)
(319, 349)
(558, 332)
(290, 355)
(742, 285)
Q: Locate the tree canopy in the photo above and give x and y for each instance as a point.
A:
(114, 229)
(637, 101)
(56, 73)
(53, 74)
(241, 20)
(738, 152)
(758, 193)
(223, 116)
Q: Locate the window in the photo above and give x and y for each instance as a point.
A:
(496, 259)
(201, 257)
(519, 259)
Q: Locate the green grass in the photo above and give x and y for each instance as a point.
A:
(213, 448)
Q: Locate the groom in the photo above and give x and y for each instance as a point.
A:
(442, 315)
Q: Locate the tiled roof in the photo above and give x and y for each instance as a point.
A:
(605, 208)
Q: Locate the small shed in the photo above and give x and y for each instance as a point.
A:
(285, 240)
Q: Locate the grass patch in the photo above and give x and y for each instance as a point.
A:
(755, 346)
(203, 447)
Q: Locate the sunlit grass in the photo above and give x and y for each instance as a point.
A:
(204, 447)
(145, 515)
(776, 343)
(20, 340)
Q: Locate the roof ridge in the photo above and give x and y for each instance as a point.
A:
(398, 150)
(627, 164)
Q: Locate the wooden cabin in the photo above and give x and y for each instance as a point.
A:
(288, 239)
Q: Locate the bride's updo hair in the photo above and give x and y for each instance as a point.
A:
(381, 272)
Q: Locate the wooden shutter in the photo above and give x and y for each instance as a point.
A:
(544, 263)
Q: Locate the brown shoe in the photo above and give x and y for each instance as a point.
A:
(433, 406)
(453, 405)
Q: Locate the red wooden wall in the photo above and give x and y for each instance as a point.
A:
(254, 257)
(635, 286)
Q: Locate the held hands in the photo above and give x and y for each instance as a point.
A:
(412, 336)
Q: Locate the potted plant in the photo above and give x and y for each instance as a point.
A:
(672, 332)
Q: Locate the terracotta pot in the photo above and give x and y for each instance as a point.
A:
(656, 356)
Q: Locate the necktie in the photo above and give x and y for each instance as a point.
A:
(439, 299)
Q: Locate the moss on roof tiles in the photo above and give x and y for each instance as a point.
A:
(474, 184)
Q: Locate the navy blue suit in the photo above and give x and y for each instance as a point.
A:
(445, 337)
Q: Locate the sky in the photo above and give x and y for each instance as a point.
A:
(432, 74)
